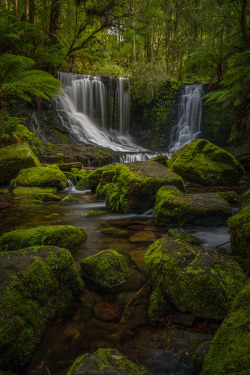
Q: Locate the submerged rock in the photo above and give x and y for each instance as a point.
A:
(194, 280)
(42, 177)
(34, 284)
(239, 226)
(106, 269)
(15, 157)
(204, 163)
(65, 236)
(106, 362)
(229, 352)
(172, 207)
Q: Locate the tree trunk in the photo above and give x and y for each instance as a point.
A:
(54, 18)
(31, 11)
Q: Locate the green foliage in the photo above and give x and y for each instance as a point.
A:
(19, 80)
(114, 197)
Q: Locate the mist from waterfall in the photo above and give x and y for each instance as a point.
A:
(188, 127)
(96, 114)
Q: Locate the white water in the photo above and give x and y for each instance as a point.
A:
(84, 101)
(188, 127)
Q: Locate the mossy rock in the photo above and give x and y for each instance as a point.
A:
(229, 351)
(107, 177)
(32, 191)
(230, 196)
(239, 226)
(194, 280)
(78, 173)
(135, 185)
(35, 283)
(66, 167)
(83, 183)
(244, 199)
(15, 157)
(106, 362)
(106, 269)
(95, 176)
(94, 213)
(183, 236)
(69, 200)
(65, 236)
(4, 191)
(204, 163)
(174, 208)
(42, 177)
(70, 176)
(48, 197)
(162, 159)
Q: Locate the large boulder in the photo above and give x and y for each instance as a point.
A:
(135, 185)
(34, 284)
(204, 163)
(229, 351)
(239, 226)
(107, 269)
(172, 207)
(65, 236)
(106, 362)
(15, 157)
(96, 176)
(194, 280)
(42, 177)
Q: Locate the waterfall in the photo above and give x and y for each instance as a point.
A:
(188, 127)
(98, 114)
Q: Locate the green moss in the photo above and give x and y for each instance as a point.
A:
(64, 236)
(32, 191)
(83, 183)
(48, 197)
(173, 207)
(192, 279)
(71, 177)
(244, 199)
(183, 235)
(229, 352)
(34, 283)
(4, 191)
(162, 159)
(204, 163)
(69, 200)
(95, 177)
(158, 306)
(67, 167)
(107, 269)
(96, 213)
(106, 361)
(15, 157)
(42, 177)
(78, 173)
(239, 226)
(230, 196)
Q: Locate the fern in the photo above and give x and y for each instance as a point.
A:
(18, 79)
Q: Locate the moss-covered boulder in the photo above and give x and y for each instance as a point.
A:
(106, 362)
(15, 157)
(83, 184)
(162, 159)
(229, 351)
(42, 177)
(194, 280)
(34, 284)
(172, 207)
(239, 226)
(183, 236)
(135, 184)
(95, 176)
(66, 167)
(244, 199)
(32, 191)
(106, 269)
(65, 236)
(204, 163)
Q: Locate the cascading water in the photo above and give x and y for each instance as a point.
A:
(96, 114)
(188, 127)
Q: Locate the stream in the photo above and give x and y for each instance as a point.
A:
(77, 329)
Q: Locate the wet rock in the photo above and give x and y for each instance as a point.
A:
(143, 236)
(239, 226)
(15, 157)
(106, 362)
(204, 163)
(229, 352)
(186, 320)
(172, 207)
(194, 280)
(162, 159)
(230, 196)
(66, 167)
(107, 311)
(94, 213)
(183, 236)
(42, 177)
(34, 284)
(4, 205)
(33, 191)
(96, 180)
(69, 200)
(244, 199)
(167, 362)
(65, 236)
(107, 269)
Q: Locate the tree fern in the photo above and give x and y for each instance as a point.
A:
(18, 79)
